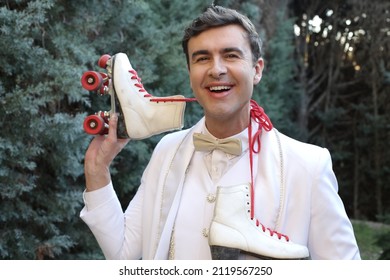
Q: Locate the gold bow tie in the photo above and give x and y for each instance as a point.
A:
(206, 143)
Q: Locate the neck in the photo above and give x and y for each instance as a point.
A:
(225, 128)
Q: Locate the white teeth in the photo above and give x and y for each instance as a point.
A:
(220, 88)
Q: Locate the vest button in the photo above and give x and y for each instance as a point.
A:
(211, 198)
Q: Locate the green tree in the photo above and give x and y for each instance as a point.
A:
(342, 50)
(278, 91)
(45, 48)
(42, 142)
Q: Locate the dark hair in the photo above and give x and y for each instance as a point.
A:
(216, 16)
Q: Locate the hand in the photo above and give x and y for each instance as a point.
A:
(100, 153)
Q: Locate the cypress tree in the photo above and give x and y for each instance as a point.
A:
(45, 46)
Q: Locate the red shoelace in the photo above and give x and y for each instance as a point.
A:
(134, 76)
(259, 116)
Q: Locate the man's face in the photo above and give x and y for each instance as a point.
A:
(222, 73)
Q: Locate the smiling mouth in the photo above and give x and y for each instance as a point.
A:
(218, 89)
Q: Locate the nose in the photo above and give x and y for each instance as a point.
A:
(217, 69)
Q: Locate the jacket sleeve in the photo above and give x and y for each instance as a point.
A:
(120, 234)
(331, 235)
(104, 216)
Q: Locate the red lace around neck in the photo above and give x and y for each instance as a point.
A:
(259, 116)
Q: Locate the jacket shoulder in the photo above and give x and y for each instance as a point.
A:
(301, 152)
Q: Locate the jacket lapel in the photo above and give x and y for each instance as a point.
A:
(270, 180)
(172, 189)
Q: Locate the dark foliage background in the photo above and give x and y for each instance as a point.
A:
(326, 82)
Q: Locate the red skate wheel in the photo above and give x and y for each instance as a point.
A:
(102, 62)
(94, 125)
(91, 80)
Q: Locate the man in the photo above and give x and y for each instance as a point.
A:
(272, 197)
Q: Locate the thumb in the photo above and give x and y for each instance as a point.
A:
(113, 126)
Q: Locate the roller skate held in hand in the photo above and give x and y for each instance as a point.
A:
(140, 114)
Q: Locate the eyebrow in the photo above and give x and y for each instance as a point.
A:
(225, 50)
(199, 52)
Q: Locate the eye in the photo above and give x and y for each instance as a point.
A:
(202, 59)
(232, 55)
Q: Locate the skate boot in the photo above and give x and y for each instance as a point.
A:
(140, 115)
(233, 231)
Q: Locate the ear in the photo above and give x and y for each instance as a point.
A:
(259, 66)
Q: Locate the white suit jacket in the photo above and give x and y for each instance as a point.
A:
(299, 197)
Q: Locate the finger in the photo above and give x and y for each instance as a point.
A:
(113, 126)
(112, 131)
